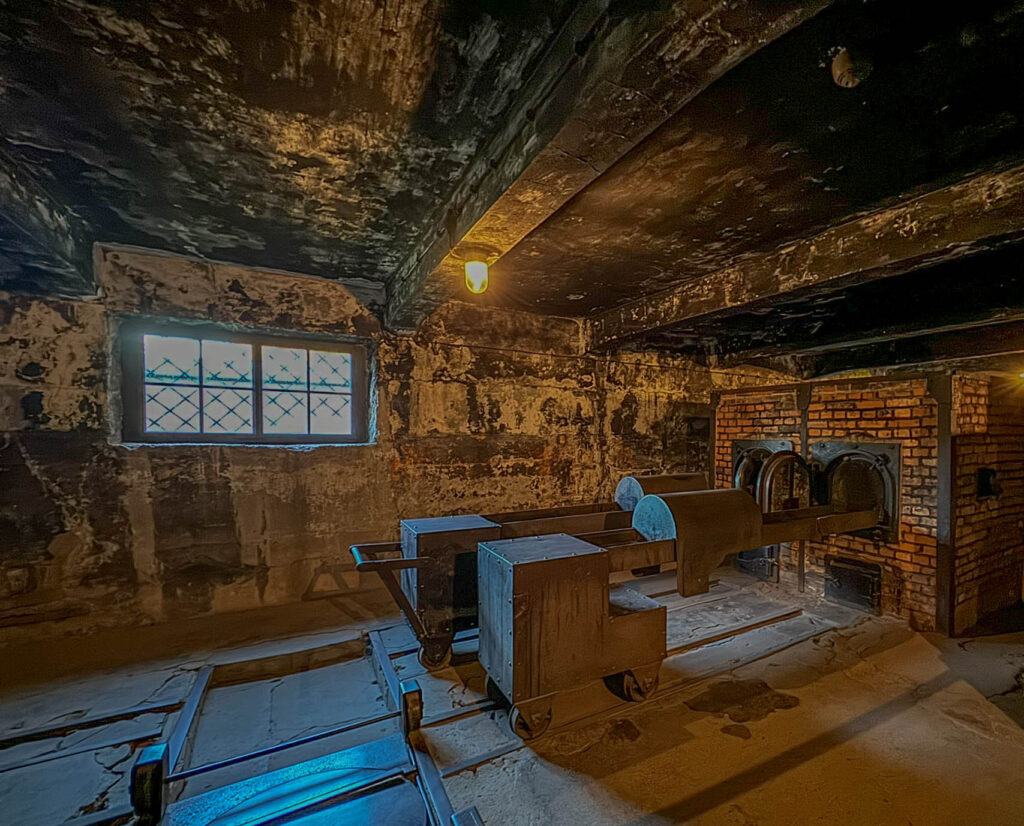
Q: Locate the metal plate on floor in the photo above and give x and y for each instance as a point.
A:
(329, 783)
(398, 805)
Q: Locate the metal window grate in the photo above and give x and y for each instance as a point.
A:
(184, 384)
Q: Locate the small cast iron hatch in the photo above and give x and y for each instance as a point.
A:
(854, 583)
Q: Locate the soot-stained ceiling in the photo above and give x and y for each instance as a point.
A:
(776, 150)
(966, 307)
(308, 135)
(695, 175)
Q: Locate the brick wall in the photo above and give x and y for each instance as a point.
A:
(897, 412)
(988, 432)
(764, 415)
(857, 411)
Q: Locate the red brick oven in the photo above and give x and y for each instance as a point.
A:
(954, 445)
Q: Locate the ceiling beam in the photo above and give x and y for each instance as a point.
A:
(603, 86)
(976, 214)
(932, 348)
(828, 343)
(55, 240)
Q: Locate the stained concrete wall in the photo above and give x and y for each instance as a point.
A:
(480, 411)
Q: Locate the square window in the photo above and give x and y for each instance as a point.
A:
(227, 364)
(171, 360)
(172, 409)
(330, 372)
(198, 383)
(227, 411)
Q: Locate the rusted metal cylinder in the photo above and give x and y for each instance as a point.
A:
(706, 525)
(631, 489)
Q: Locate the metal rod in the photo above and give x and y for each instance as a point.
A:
(480, 759)
(735, 631)
(430, 781)
(298, 741)
(183, 724)
(385, 670)
(479, 707)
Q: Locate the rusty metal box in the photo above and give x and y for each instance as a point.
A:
(442, 589)
(543, 607)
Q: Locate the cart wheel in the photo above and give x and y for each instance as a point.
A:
(628, 687)
(522, 729)
(634, 691)
(434, 659)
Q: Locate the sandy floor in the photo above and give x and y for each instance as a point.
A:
(872, 725)
(833, 717)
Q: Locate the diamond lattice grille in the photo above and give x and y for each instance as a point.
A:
(330, 413)
(245, 388)
(172, 409)
(227, 411)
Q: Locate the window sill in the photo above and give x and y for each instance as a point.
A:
(302, 447)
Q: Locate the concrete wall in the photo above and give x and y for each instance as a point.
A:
(480, 411)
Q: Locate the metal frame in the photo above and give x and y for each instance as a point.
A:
(871, 571)
(940, 387)
(154, 769)
(628, 551)
(133, 399)
(742, 451)
(428, 777)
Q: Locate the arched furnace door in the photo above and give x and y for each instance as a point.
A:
(750, 461)
(862, 477)
(748, 456)
(784, 482)
(748, 468)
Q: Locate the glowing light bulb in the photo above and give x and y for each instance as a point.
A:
(476, 276)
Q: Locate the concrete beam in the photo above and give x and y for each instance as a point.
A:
(827, 343)
(603, 86)
(929, 348)
(976, 214)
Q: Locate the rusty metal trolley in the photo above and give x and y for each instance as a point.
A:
(550, 621)
(431, 573)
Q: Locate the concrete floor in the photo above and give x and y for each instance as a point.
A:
(829, 717)
(872, 724)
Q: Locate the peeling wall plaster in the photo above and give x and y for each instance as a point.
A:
(481, 411)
